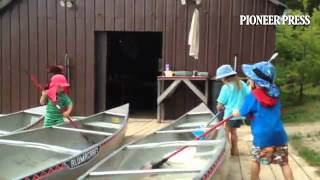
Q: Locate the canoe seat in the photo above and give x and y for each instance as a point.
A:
(192, 125)
(104, 125)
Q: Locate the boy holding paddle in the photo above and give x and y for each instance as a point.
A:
(56, 97)
(269, 136)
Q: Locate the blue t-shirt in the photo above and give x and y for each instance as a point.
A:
(266, 126)
(232, 98)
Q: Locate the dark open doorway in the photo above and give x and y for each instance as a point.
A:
(131, 69)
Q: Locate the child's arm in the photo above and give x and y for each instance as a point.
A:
(68, 111)
(43, 97)
(222, 98)
(251, 85)
(220, 107)
(247, 107)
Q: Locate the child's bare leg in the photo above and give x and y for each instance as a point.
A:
(287, 173)
(227, 131)
(255, 170)
(234, 141)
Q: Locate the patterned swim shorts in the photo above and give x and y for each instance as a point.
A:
(271, 155)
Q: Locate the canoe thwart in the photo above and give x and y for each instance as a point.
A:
(103, 125)
(181, 130)
(192, 125)
(83, 131)
(176, 143)
(4, 132)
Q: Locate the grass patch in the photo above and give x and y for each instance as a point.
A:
(311, 156)
(307, 111)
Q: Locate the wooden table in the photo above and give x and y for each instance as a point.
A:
(163, 94)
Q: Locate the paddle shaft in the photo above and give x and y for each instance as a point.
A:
(214, 118)
(68, 117)
(34, 80)
(159, 164)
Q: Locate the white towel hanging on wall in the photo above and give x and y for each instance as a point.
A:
(184, 2)
(194, 35)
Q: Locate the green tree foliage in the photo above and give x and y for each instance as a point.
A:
(299, 49)
(302, 5)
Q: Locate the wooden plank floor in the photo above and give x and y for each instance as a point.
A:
(239, 165)
(138, 128)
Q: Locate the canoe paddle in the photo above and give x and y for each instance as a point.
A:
(200, 132)
(158, 164)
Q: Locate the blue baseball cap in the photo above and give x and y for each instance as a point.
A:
(224, 71)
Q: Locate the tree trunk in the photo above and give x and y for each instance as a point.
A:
(301, 92)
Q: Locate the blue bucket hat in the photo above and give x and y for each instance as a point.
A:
(263, 74)
(224, 71)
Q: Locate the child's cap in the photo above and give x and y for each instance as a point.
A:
(57, 80)
(263, 74)
(224, 71)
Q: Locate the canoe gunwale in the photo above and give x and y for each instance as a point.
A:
(214, 166)
(48, 147)
(62, 165)
(128, 172)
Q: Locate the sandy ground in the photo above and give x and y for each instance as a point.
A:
(310, 133)
(312, 141)
(303, 128)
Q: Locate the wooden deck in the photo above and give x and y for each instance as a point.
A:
(139, 128)
(239, 166)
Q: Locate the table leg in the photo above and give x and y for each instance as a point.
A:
(158, 104)
(207, 92)
(162, 109)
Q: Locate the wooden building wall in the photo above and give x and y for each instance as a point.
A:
(38, 33)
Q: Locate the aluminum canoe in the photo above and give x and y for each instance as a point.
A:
(22, 120)
(205, 159)
(62, 152)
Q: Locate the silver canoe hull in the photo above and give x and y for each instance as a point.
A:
(62, 152)
(22, 120)
(204, 159)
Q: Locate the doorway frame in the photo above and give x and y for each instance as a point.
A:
(101, 66)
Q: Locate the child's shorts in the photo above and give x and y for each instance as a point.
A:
(271, 155)
(234, 124)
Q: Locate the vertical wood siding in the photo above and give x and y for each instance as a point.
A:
(38, 33)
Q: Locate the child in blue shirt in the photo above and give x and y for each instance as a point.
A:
(269, 136)
(231, 97)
